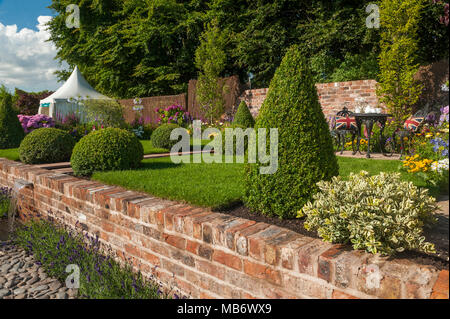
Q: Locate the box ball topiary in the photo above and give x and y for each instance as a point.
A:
(46, 145)
(305, 147)
(11, 131)
(243, 116)
(161, 136)
(105, 150)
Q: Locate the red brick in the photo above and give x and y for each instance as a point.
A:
(262, 272)
(150, 258)
(132, 249)
(308, 256)
(210, 269)
(108, 227)
(256, 242)
(175, 241)
(192, 247)
(227, 259)
(326, 262)
(440, 289)
(272, 247)
(342, 295)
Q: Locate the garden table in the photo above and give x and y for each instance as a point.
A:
(369, 119)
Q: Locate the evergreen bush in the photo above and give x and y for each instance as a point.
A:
(305, 147)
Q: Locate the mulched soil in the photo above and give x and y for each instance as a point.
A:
(437, 235)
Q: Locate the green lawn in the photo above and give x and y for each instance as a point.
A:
(217, 185)
(13, 153)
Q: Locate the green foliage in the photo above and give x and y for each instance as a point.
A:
(147, 48)
(305, 149)
(5, 198)
(398, 89)
(11, 131)
(101, 276)
(380, 214)
(106, 149)
(131, 48)
(337, 41)
(161, 136)
(46, 145)
(108, 113)
(235, 138)
(243, 116)
(210, 59)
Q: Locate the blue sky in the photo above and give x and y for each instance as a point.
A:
(24, 13)
(26, 58)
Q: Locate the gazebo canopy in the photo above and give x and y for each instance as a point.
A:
(63, 100)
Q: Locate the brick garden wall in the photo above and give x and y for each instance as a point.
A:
(212, 255)
(332, 96)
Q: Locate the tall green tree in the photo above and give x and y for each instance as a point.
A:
(11, 131)
(131, 48)
(147, 47)
(210, 59)
(398, 59)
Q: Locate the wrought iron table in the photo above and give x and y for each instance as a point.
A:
(369, 119)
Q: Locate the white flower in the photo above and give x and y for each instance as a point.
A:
(440, 166)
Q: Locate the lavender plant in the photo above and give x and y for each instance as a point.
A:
(101, 276)
(5, 197)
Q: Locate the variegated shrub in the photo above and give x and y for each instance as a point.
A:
(380, 214)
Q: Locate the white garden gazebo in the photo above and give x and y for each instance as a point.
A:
(67, 98)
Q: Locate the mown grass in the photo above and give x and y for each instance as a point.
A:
(11, 154)
(219, 185)
(101, 277)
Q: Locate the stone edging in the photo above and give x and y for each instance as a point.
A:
(213, 255)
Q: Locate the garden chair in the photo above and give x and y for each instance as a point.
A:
(411, 127)
(344, 124)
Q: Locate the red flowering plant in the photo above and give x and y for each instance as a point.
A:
(174, 114)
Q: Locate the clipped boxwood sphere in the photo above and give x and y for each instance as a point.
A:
(161, 136)
(105, 150)
(46, 145)
(243, 116)
(305, 147)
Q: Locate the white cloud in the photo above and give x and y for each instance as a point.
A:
(26, 58)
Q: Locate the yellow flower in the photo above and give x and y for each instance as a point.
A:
(428, 135)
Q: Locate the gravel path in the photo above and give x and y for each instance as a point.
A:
(22, 278)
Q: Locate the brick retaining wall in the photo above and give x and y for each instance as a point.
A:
(212, 255)
(332, 96)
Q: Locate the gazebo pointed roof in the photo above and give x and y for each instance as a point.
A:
(75, 86)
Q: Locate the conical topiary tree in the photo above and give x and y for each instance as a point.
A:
(305, 150)
(11, 131)
(243, 116)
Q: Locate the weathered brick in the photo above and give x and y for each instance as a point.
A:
(175, 241)
(262, 272)
(342, 295)
(192, 246)
(326, 263)
(132, 249)
(226, 259)
(272, 247)
(210, 269)
(440, 289)
(308, 256)
(205, 252)
(256, 241)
